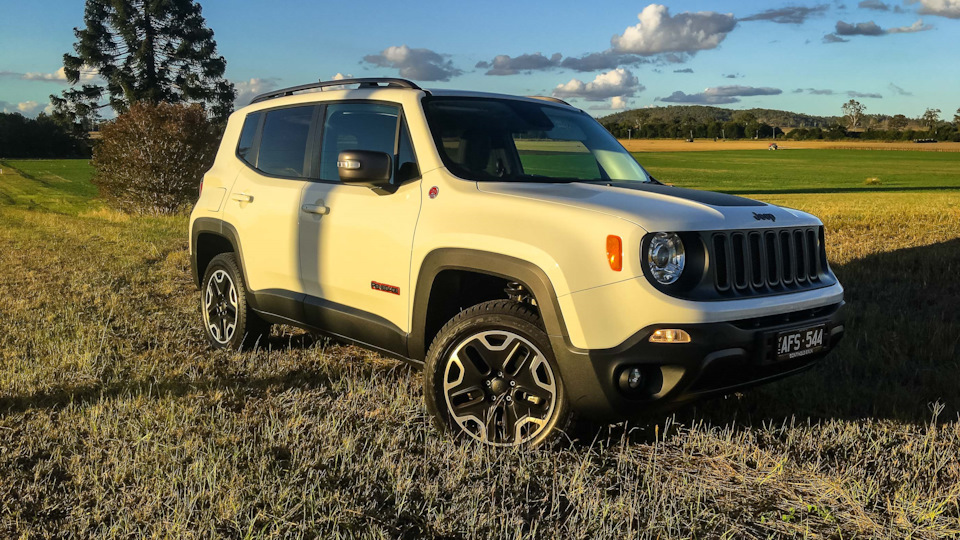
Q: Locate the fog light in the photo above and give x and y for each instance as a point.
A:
(670, 336)
(631, 379)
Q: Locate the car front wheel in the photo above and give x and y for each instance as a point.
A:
(490, 375)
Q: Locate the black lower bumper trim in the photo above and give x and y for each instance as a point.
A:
(721, 358)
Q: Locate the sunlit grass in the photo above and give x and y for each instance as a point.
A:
(117, 420)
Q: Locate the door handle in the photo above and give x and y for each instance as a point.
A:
(315, 209)
(242, 197)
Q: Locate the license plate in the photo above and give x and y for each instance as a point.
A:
(796, 343)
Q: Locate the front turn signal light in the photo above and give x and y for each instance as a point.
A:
(670, 336)
(615, 253)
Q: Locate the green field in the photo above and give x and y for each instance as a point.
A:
(117, 420)
(805, 171)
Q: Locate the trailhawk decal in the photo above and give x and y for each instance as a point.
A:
(377, 286)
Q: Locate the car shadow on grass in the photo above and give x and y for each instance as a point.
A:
(899, 360)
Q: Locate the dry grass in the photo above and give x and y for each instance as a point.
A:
(117, 421)
(704, 145)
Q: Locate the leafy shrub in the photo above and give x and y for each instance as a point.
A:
(152, 157)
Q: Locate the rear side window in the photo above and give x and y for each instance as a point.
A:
(356, 126)
(247, 134)
(283, 144)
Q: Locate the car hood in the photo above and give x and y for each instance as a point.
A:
(657, 207)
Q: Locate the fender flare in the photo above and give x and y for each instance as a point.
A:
(504, 266)
(219, 228)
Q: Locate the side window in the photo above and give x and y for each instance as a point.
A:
(247, 134)
(283, 144)
(356, 126)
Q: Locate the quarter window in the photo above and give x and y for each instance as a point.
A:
(247, 134)
(283, 144)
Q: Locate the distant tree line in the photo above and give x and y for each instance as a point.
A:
(683, 122)
(743, 124)
(43, 137)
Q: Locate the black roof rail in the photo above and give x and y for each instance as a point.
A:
(550, 98)
(366, 82)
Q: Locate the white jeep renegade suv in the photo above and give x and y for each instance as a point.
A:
(511, 246)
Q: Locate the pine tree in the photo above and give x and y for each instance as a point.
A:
(144, 50)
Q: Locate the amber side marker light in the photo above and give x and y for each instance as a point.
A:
(670, 336)
(615, 253)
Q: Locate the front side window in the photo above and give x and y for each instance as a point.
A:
(356, 126)
(487, 139)
(283, 144)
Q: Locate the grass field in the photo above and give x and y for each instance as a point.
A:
(117, 420)
(704, 145)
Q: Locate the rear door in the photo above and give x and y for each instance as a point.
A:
(263, 205)
(354, 243)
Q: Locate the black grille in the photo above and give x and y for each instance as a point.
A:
(768, 261)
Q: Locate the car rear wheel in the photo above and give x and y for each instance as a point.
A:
(228, 320)
(490, 376)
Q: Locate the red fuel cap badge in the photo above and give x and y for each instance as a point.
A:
(434, 191)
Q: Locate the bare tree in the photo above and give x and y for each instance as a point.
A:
(853, 112)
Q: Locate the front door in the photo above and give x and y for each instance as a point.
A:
(354, 243)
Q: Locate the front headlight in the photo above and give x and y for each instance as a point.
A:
(665, 257)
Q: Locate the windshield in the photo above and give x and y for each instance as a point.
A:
(505, 140)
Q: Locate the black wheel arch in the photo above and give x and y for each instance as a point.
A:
(505, 267)
(210, 237)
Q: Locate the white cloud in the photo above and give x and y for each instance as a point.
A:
(86, 75)
(26, 108)
(614, 83)
(616, 103)
(602, 60)
(941, 8)
(338, 77)
(871, 28)
(686, 32)
(789, 14)
(417, 64)
(247, 90)
(503, 64)
(619, 103)
(878, 5)
(915, 27)
(719, 95)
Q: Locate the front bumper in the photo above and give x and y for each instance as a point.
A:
(722, 357)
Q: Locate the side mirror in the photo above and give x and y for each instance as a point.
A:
(366, 168)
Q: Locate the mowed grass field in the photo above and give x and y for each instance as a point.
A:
(117, 420)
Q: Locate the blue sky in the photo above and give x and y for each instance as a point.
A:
(896, 56)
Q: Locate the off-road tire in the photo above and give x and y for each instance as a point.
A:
(228, 320)
(478, 330)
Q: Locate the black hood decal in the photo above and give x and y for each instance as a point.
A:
(704, 197)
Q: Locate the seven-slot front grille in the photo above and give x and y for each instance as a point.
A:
(766, 261)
